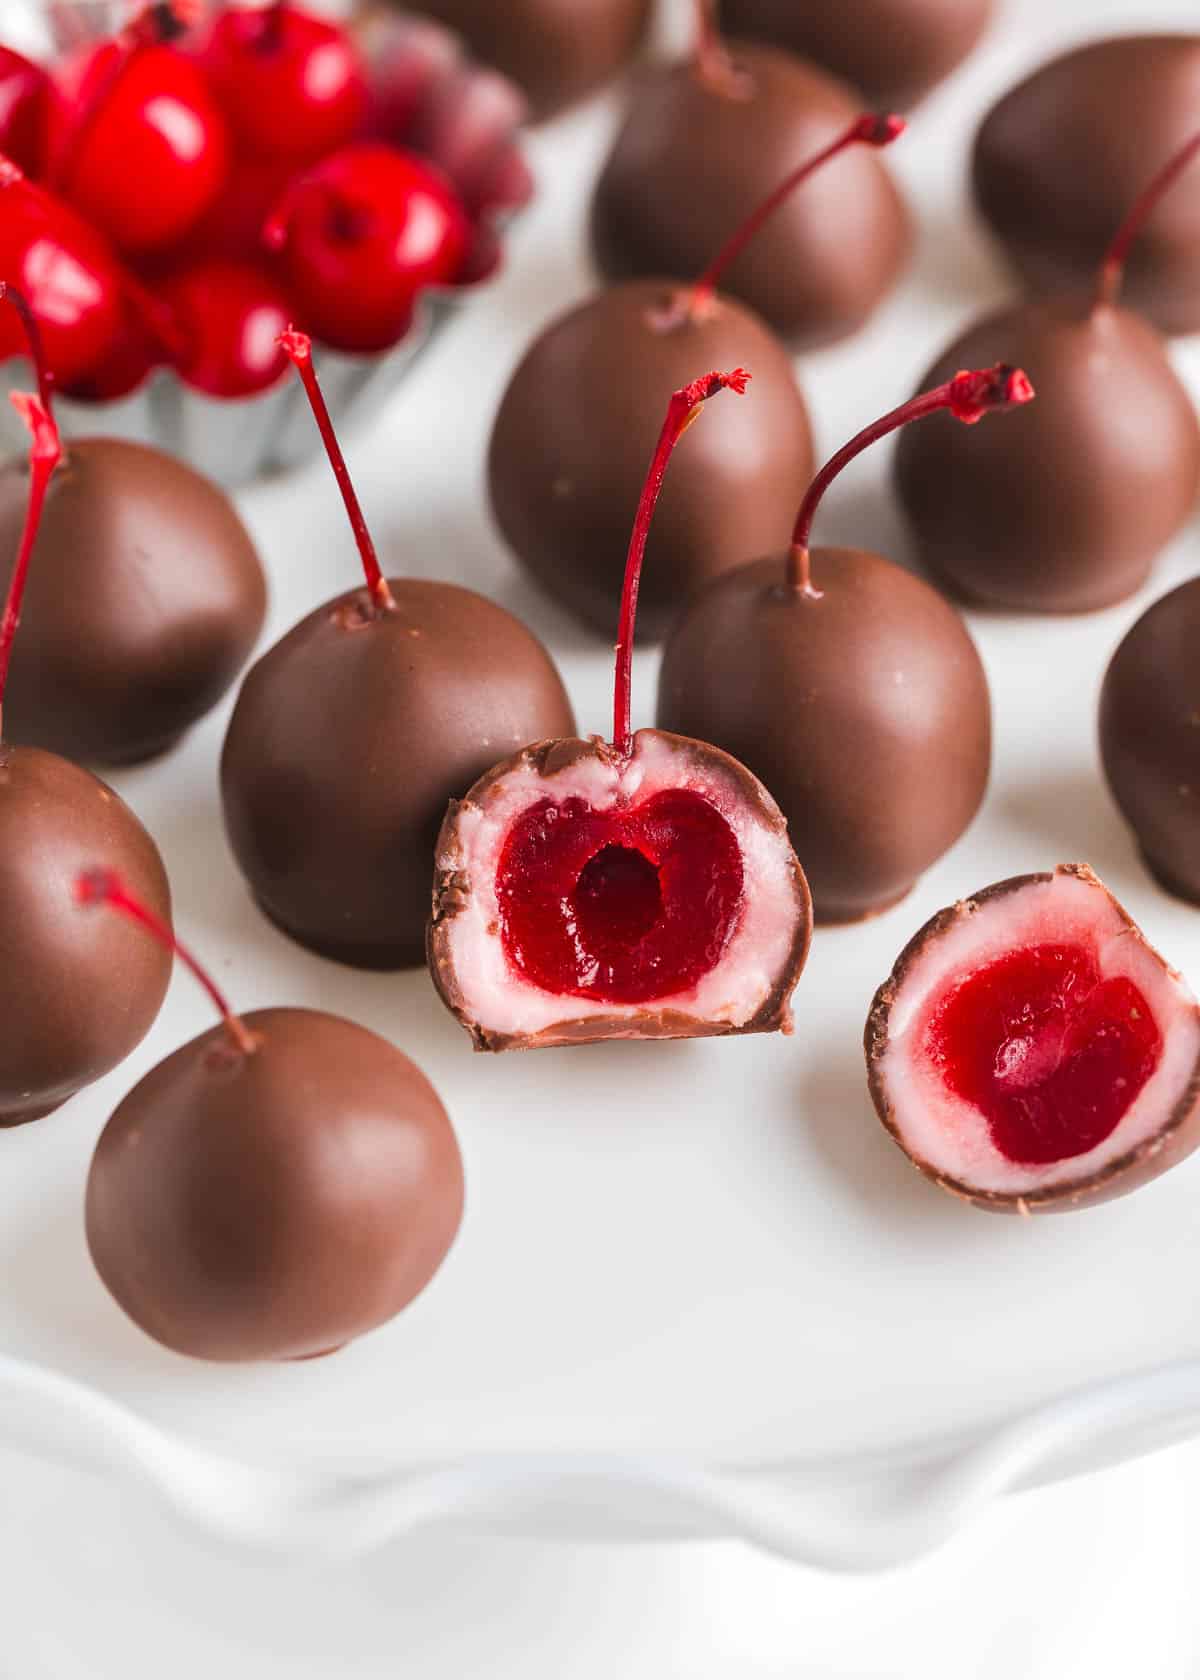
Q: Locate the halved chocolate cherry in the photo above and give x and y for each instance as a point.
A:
(640, 889)
(1031, 1052)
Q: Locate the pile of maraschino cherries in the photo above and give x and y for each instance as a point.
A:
(177, 195)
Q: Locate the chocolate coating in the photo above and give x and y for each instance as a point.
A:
(866, 713)
(274, 1205)
(1066, 506)
(695, 157)
(348, 741)
(145, 598)
(577, 429)
(77, 993)
(1061, 159)
(1150, 737)
(894, 51)
(557, 51)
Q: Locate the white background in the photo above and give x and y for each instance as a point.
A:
(1095, 1579)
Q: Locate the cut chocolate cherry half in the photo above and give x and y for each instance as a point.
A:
(640, 889)
(1031, 1051)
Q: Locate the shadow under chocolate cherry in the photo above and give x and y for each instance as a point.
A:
(1071, 815)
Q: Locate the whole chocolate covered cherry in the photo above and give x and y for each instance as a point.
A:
(851, 688)
(1067, 508)
(706, 140)
(582, 411)
(1060, 157)
(282, 1184)
(352, 734)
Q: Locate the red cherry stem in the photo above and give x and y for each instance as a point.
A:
(867, 130)
(44, 455)
(1112, 269)
(968, 396)
(298, 347)
(683, 410)
(33, 338)
(105, 886)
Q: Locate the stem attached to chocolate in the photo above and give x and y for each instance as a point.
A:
(105, 886)
(684, 408)
(867, 130)
(44, 455)
(298, 347)
(1112, 269)
(968, 396)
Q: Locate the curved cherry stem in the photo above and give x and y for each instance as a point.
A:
(298, 347)
(105, 886)
(44, 455)
(1112, 269)
(867, 130)
(33, 338)
(968, 396)
(684, 408)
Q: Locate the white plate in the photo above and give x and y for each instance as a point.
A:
(675, 1257)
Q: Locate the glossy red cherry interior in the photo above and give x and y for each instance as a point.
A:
(291, 85)
(360, 237)
(23, 94)
(138, 143)
(620, 906)
(66, 270)
(1050, 1053)
(229, 317)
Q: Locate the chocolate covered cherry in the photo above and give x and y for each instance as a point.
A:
(642, 888)
(352, 734)
(572, 435)
(707, 139)
(1032, 1053)
(1062, 155)
(275, 1188)
(144, 601)
(1067, 508)
(558, 51)
(73, 1004)
(1150, 737)
(850, 687)
(894, 51)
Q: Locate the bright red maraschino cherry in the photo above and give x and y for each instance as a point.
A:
(570, 442)
(72, 1006)
(292, 85)
(228, 316)
(278, 1186)
(137, 142)
(638, 888)
(1068, 509)
(23, 96)
(851, 687)
(360, 237)
(68, 272)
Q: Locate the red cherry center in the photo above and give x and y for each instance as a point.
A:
(1051, 1054)
(622, 906)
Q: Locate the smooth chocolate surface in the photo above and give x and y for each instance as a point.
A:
(696, 155)
(145, 598)
(77, 992)
(349, 739)
(274, 1205)
(1066, 506)
(1150, 736)
(1061, 158)
(558, 51)
(894, 51)
(576, 433)
(866, 713)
